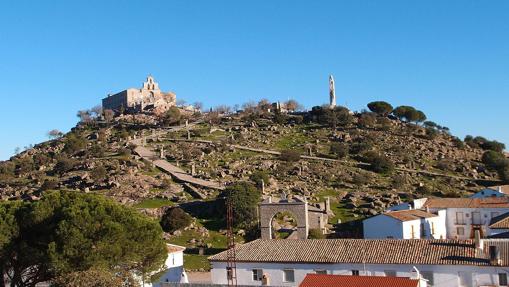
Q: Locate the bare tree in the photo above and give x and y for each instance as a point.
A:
(96, 111)
(84, 116)
(55, 134)
(108, 115)
(264, 105)
(249, 106)
(198, 105)
(293, 105)
(222, 109)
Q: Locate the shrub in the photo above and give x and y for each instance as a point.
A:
(380, 107)
(367, 120)
(493, 145)
(289, 155)
(7, 168)
(361, 178)
(258, 176)
(49, 184)
(378, 163)
(339, 149)
(431, 133)
(174, 219)
(492, 159)
(171, 117)
(99, 173)
(315, 233)
(399, 181)
(74, 143)
(64, 165)
(458, 143)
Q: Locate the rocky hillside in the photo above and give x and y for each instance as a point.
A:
(407, 160)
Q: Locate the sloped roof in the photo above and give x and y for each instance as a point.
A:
(172, 248)
(500, 222)
(503, 188)
(371, 251)
(409, 214)
(323, 280)
(488, 202)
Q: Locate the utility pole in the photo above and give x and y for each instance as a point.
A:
(231, 266)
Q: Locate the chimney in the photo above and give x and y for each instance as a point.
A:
(327, 205)
(477, 239)
(495, 255)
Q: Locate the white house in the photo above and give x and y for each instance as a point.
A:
(406, 224)
(174, 266)
(492, 191)
(443, 263)
(456, 218)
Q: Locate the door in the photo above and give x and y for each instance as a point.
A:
(465, 279)
(476, 217)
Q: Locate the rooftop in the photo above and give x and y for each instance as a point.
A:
(410, 214)
(322, 280)
(371, 251)
(503, 188)
(489, 202)
(174, 248)
(500, 222)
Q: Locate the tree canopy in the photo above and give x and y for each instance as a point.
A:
(67, 232)
(245, 198)
(409, 114)
(380, 107)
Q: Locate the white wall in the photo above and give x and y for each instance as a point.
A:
(382, 226)
(485, 215)
(174, 267)
(443, 275)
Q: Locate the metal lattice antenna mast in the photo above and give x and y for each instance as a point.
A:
(231, 266)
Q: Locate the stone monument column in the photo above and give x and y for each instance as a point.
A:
(332, 93)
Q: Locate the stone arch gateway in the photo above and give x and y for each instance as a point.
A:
(297, 207)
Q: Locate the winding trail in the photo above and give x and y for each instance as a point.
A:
(164, 165)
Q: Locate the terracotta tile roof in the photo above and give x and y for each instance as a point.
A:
(371, 251)
(322, 280)
(500, 222)
(488, 202)
(410, 214)
(174, 248)
(503, 188)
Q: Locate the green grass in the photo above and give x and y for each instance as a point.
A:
(154, 203)
(195, 262)
(294, 140)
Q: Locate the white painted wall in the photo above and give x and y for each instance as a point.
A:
(382, 226)
(443, 275)
(174, 267)
(485, 217)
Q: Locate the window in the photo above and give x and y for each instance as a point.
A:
(423, 230)
(229, 273)
(288, 275)
(412, 232)
(465, 278)
(321, 271)
(460, 220)
(502, 279)
(432, 228)
(428, 275)
(257, 274)
(390, 273)
(355, 272)
(460, 231)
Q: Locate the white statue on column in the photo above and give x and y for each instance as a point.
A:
(332, 93)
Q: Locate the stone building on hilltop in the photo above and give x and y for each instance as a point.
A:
(148, 98)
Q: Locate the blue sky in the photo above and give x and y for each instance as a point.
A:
(447, 58)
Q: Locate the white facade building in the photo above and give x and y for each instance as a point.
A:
(455, 218)
(406, 224)
(174, 266)
(444, 263)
